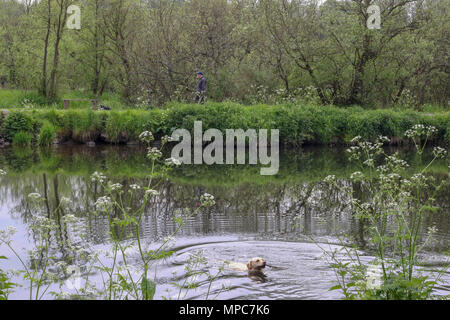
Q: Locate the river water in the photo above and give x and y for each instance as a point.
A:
(288, 219)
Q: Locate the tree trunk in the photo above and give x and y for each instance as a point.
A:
(44, 64)
(62, 16)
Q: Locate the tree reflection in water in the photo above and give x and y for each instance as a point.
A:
(289, 206)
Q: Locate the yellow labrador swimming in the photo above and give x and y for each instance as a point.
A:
(253, 267)
(255, 264)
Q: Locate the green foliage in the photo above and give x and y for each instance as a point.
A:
(35, 99)
(404, 200)
(265, 53)
(22, 138)
(10, 98)
(15, 122)
(298, 124)
(47, 134)
(5, 283)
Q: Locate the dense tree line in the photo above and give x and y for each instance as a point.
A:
(250, 50)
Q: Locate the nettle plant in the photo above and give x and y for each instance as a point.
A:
(393, 215)
(126, 267)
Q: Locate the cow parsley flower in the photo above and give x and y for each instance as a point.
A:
(7, 233)
(383, 139)
(151, 192)
(154, 153)
(439, 152)
(357, 176)
(419, 130)
(98, 177)
(103, 203)
(330, 179)
(173, 162)
(369, 162)
(146, 136)
(166, 139)
(115, 186)
(207, 200)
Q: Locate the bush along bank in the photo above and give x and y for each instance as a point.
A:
(298, 125)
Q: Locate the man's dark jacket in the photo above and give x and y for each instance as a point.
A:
(201, 85)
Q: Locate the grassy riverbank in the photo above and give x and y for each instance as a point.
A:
(298, 125)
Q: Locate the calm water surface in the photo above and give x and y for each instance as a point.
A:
(269, 216)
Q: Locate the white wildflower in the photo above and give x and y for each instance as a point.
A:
(43, 224)
(439, 152)
(98, 177)
(419, 180)
(151, 192)
(207, 199)
(154, 153)
(357, 176)
(103, 203)
(369, 162)
(115, 186)
(419, 130)
(432, 230)
(146, 136)
(383, 139)
(7, 233)
(166, 138)
(173, 162)
(330, 179)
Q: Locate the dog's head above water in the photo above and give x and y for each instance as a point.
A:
(256, 264)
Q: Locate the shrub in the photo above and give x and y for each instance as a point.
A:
(22, 138)
(298, 124)
(16, 122)
(47, 134)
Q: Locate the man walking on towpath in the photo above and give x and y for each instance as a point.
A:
(200, 95)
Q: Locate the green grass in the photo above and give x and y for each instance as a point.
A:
(10, 98)
(22, 138)
(298, 124)
(47, 134)
(13, 98)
